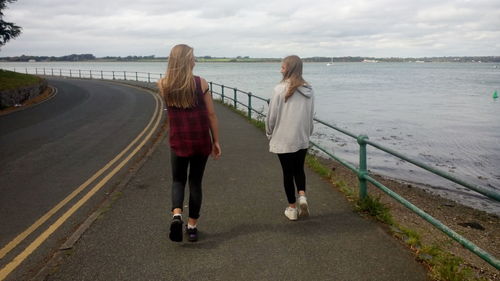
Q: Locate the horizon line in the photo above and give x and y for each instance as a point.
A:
(250, 57)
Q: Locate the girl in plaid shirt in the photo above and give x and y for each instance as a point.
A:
(193, 135)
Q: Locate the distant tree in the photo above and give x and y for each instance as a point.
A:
(8, 30)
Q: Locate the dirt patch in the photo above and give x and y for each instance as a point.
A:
(479, 227)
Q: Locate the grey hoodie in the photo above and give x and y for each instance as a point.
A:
(290, 124)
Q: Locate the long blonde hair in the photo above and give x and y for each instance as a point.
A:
(178, 87)
(292, 74)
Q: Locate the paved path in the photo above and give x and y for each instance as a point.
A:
(244, 234)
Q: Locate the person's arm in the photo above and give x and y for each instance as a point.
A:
(312, 113)
(212, 117)
(271, 116)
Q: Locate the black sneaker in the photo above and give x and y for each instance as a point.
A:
(176, 229)
(192, 234)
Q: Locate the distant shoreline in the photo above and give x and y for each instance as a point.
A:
(92, 58)
(243, 61)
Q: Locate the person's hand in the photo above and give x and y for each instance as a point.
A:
(216, 152)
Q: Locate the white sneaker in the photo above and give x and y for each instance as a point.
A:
(291, 213)
(303, 207)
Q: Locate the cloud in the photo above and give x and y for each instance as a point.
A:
(259, 28)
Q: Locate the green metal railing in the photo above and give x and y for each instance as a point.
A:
(236, 102)
(241, 99)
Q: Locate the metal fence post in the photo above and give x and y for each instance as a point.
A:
(44, 71)
(250, 105)
(362, 166)
(36, 70)
(26, 70)
(222, 93)
(235, 100)
(91, 74)
(211, 89)
(79, 73)
(70, 76)
(113, 75)
(136, 79)
(125, 75)
(60, 72)
(52, 71)
(101, 76)
(149, 78)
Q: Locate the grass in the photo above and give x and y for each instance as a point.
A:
(259, 123)
(373, 207)
(446, 267)
(11, 80)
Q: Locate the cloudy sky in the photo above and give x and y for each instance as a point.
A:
(257, 28)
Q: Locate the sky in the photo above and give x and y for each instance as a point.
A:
(257, 28)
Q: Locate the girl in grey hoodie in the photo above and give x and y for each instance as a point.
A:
(289, 124)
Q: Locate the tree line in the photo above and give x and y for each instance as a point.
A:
(73, 57)
(91, 57)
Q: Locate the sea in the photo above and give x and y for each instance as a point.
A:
(441, 114)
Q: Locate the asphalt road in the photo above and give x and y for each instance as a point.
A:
(49, 150)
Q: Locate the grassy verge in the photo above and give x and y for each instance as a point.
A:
(259, 123)
(443, 266)
(12, 80)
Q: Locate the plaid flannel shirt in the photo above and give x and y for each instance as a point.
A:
(189, 129)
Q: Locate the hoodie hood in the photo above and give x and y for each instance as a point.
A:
(305, 90)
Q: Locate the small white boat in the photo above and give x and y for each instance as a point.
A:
(330, 63)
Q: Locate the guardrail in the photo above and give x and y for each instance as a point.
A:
(93, 74)
(232, 96)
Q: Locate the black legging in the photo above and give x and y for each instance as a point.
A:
(180, 175)
(293, 170)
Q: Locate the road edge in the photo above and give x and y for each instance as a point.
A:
(53, 262)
